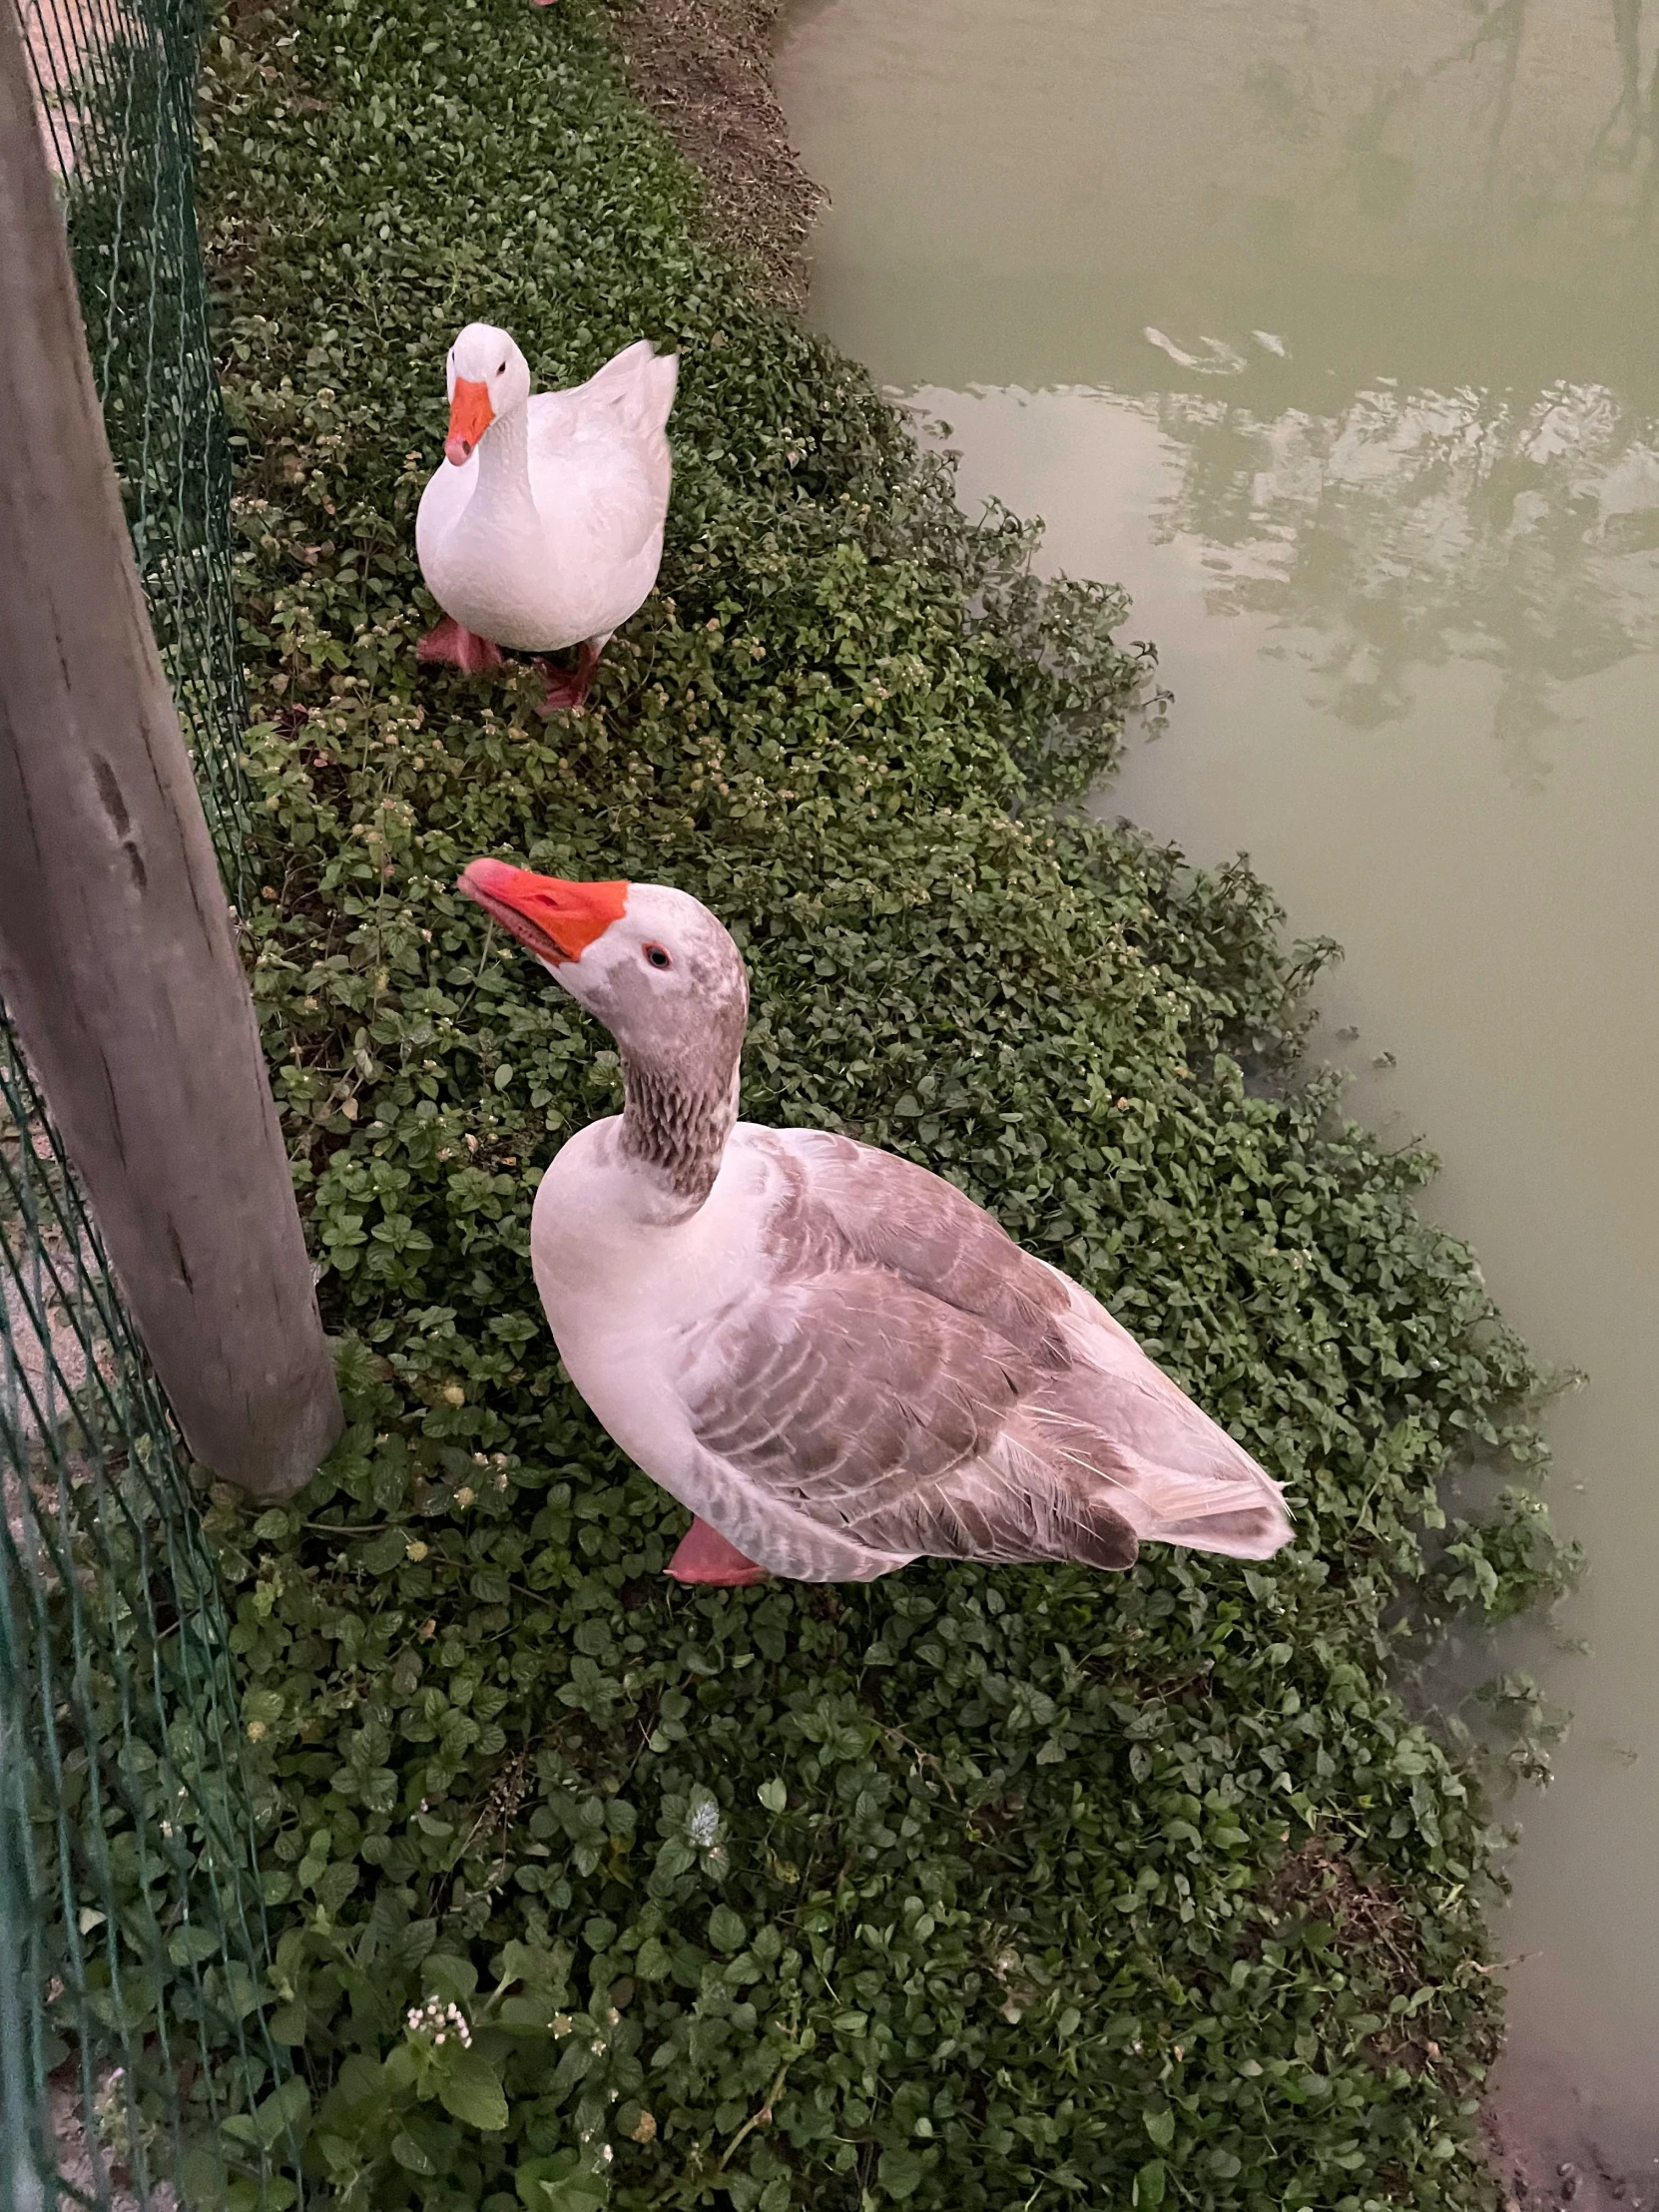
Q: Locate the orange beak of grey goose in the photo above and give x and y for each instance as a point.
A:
(555, 920)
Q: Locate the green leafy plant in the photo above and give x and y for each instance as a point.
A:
(965, 1889)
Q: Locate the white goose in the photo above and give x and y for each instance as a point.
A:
(544, 526)
(833, 1357)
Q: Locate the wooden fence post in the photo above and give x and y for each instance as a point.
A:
(117, 958)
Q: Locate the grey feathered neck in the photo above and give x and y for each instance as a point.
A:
(677, 1124)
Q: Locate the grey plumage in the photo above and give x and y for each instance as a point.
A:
(836, 1358)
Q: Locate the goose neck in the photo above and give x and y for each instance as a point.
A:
(674, 1127)
(504, 456)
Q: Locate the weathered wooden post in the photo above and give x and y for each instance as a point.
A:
(117, 959)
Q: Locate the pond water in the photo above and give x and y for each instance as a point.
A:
(1332, 330)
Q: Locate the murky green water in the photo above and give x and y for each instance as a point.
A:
(1332, 329)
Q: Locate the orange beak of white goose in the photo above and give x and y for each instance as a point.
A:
(470, 416)
(555, 920)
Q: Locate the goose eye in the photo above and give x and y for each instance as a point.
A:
(502, 370)
(657, 956)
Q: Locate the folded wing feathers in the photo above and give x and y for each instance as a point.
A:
(909, 1377)
(845, 1393)
(928, 1232)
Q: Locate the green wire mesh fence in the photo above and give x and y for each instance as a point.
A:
(135, 2067)
(115, 81)
(131, 1940)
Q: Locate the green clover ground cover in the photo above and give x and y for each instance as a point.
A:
(965, 1890)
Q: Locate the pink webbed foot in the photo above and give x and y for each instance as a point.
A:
(567, 688)
(462, 649)
(705, 1556)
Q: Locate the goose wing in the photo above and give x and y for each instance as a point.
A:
(632, 396)
(636, 387)
(880, 1413)
(906, 1375)
(599, 456)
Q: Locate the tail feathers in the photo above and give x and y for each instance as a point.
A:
(1254, 1528)
(641, 382)
(622, 368)
(1253, 1532)
(1054, 1487)
(662, 380)
(1213, 1497)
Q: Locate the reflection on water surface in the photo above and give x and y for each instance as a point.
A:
(1416, 527)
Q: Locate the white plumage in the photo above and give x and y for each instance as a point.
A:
(543, 528)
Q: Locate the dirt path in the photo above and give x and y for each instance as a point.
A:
(703, 68)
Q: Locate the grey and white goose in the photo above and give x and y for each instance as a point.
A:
(837, 1361)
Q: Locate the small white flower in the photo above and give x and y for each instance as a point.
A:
(439, 2020)
(705, 1823)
